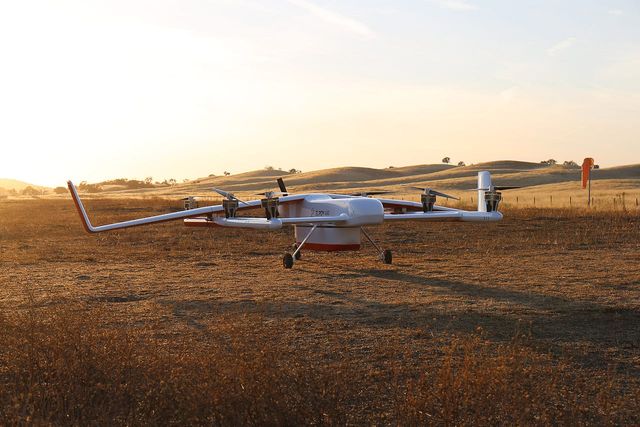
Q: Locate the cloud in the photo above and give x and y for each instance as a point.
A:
(334, 18)
(561, 45)
(615, 12)
(459, 5)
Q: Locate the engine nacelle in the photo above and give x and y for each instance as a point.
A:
(492, 200)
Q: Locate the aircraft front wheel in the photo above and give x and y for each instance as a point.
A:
(287, 260)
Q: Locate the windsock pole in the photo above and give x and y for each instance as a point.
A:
(587, 165)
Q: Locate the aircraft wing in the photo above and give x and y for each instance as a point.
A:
(408, 206)
(262, 223)
(448, 215)
(191, 213)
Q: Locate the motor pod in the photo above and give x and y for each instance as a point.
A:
(230, 207)
(428, 200)
(492, 200)
(270, 205)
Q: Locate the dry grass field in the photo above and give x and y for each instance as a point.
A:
(531, 321)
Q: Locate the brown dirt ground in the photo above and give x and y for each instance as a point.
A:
(570, 279)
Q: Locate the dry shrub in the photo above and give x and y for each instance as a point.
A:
(482, 384)
(77, 363)
(57, 366)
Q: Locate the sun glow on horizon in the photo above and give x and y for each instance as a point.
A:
(97, 90)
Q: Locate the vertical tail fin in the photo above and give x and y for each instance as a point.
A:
(484, 185)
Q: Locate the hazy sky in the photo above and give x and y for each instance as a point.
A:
(179, 89)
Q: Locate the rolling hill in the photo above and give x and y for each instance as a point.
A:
(533, 177)
(7, 185)
(441, 176)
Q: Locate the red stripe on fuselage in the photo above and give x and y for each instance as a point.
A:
(197, 222)
(400, 206)
(330, 247)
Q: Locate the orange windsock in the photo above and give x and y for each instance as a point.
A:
(587, 165)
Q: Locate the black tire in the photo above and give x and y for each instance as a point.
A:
(287, 260)
(387, 257)
(299, 254)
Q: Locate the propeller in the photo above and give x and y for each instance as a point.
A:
(432, 192)
(228, 195)
(499, 188)
(370, 193)
(281, 186)
(271, 194)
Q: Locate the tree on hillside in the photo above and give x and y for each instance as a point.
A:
(446, 160)
(570, 164)
(549, 162)
(60, 190)
(30, 191)
(226, 173)
(148, 180)
(461, 163)
(268, 168)
(89, 188)
(172, 181)
(294, 170)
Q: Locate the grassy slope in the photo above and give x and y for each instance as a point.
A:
(532, 176)
(9, 184)
(531, 321)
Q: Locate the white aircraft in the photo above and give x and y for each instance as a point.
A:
(322, 222)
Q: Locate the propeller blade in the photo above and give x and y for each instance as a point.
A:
(370, 193)
(438, 193)
(271, 193)
(499, 188)
(433, 192)
(228, 195)
(224, 193)
(281, 185)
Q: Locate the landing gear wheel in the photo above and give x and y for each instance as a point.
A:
(287, 260)
(386, 256)
(293, 248)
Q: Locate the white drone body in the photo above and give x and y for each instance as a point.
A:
(322, 222)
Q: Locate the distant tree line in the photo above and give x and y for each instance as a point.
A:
(30, 191)
(447, 160)
(291, 171)
(568, 164)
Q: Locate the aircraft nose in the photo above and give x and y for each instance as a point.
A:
(365, 211)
